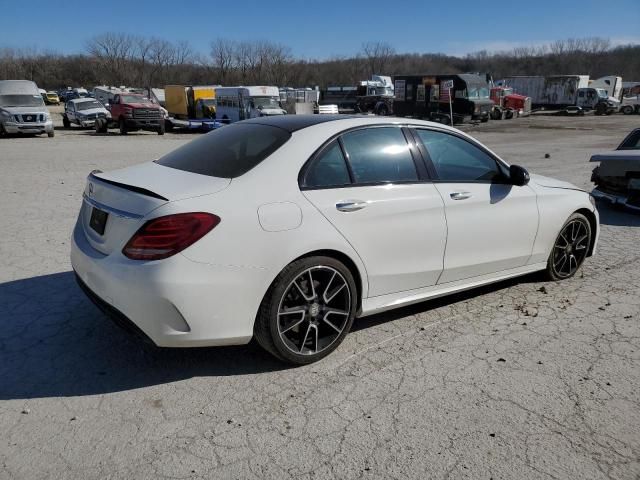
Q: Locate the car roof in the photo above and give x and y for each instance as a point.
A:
(83, 99)
(293, 123)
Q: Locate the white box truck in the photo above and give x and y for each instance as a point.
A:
(556, 91)
(22, 109)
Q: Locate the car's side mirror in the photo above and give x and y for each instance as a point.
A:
(518, 175)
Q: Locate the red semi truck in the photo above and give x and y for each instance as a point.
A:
(508, 104)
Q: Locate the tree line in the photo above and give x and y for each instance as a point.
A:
(124, 59)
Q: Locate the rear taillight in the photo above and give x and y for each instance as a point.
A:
(163, 237)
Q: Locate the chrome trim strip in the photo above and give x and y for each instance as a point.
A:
(111, 210)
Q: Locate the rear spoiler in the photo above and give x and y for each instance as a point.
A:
(131, 188)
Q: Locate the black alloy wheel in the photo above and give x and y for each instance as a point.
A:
(308, 310)
(570, 248)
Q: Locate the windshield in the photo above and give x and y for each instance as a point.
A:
(477, 92)
(88, 105)
(227, 152)
(209, 102)
(632, 142)
(21, 101)
(266, 102)
(134, 99)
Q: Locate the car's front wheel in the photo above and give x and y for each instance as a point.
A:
(570, 248)
(307, 311)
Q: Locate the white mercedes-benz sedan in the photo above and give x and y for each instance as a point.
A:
(287, 228)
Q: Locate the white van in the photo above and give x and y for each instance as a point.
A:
(240, 103)
(22, 109)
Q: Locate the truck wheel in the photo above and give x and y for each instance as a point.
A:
(51, 134)
(168, 126)
(123, 127)
(496, 114)
(485, 119)
(65, 122)
(508, 114)
(383, 111)
(601, 109)
(627, 109)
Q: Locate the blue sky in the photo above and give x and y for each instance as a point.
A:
(321, 29)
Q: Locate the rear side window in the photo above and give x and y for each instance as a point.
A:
(328, 170)
(379, 155)
(228, 152)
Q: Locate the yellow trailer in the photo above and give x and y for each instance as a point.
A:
(190, 102)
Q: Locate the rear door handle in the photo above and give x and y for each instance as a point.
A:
(350, 205)
(460, 195)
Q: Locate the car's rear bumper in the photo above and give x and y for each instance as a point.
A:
(174, 302)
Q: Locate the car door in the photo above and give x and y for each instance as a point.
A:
(370, 185)
(491, 224)
(71, 114)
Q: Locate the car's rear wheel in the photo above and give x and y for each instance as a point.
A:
(570, 248)
(307, 311)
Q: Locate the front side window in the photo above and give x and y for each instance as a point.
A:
(329, 169)
(379, 155)
(457, 160)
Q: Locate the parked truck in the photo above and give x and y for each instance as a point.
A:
(22, 109)
(345, 98)
(375, 96)
(611, 84)
(507, 104)
(190, 106)
(557, 91)
(131, 112)
(427, 96)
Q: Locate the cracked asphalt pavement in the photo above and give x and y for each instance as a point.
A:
(524, 379)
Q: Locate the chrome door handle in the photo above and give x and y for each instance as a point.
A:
(350, 205)
(460, 195)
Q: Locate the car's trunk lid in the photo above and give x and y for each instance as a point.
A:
(128, 195)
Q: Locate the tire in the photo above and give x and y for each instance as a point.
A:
(601, 109)
(2, 131)
(627, 110)
(123, 127)
(168, 126)
(290, 340)
(574, 237)
(65, 122)
(484, 119)
(383, 111)
(51, 134)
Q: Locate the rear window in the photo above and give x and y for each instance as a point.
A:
(229, 152)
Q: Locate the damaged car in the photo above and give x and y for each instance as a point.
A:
(617, 178)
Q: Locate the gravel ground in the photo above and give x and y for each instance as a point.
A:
(521, 380)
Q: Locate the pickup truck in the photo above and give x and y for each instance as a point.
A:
(83, 112)
(131, 112)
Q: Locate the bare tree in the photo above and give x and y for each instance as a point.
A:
(377, 55)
